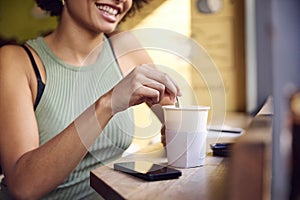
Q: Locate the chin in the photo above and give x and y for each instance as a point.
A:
(108, 29)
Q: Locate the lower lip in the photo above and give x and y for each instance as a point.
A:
(108, 17)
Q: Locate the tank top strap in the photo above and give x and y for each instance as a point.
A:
(40, 83)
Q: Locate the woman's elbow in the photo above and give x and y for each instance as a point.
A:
(23, 191)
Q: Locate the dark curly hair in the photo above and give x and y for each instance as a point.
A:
(54, 7)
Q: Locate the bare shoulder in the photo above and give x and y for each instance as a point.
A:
(125, 40)
(10, 50)
(15, 80)
(11, 54)
(129, 51)
(15, 71)
(13, 59)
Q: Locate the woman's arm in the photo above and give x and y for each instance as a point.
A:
(32, 170)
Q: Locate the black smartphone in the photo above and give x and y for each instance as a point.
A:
(222, 149)
(147, 170)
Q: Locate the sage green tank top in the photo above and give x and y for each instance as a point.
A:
(68, 92)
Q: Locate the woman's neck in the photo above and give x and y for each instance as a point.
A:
(78, 47)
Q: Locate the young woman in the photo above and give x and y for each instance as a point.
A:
(66, 99)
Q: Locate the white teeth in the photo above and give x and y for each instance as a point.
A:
(108, 9)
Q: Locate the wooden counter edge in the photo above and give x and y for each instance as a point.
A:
(101, 187)
(250, 167)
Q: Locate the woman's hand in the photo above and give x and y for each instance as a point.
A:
(143, 84)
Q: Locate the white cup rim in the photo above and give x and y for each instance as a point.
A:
(197, 108)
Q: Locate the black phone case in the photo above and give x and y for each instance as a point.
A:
(221, 149)
(159, 172)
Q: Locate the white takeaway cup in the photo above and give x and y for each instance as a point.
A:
(186, 133)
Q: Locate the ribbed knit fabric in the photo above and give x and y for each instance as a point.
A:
(69, 91)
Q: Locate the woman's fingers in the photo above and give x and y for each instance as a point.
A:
(147, 94)
(161, 88)
(143, 84)
(171, 87)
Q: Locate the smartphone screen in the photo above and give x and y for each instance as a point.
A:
(147, 170)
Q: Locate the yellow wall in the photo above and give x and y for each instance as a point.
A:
(17, 20)
(222, 35)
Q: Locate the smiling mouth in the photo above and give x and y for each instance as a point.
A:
(108, 9)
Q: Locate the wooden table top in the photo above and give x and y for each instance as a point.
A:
(205, 182)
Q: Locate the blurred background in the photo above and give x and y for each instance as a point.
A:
(253, 44)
